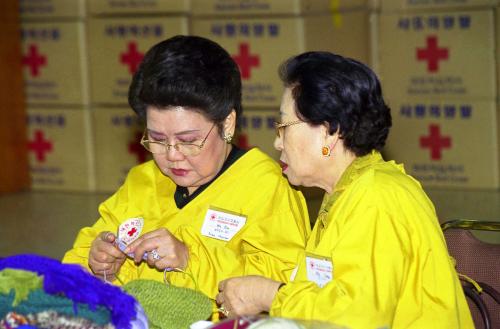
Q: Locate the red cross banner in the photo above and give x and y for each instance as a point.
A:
(116, 48)
(59, 149)
(53, 63)
(438, 54)
(117, 146)
(443, 143)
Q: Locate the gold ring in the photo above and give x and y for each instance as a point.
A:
(223, 310)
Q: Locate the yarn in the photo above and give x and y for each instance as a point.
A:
(167, 306)
(22, 282)
(39, 301)
(77, 284)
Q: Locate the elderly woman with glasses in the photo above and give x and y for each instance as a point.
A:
(376, 257)
(210, 210)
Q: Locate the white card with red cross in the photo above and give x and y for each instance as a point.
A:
(130, 230)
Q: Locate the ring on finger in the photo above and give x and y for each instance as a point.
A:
(223, 310)
(155, 254)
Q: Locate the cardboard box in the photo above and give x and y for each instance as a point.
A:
(54, 63)
(116, 48)
(497, 50)
(99, 7)
(447, 143)
(117, 135)
(260, 45)
(229, 8)
(36, 9)
(60, 149)
(405, 5)
(438, 55)
(257, 130)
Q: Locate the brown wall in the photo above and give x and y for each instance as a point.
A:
(14, 175)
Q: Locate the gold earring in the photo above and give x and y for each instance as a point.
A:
(325, 150)
(228, 138)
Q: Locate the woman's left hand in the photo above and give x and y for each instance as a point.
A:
(246, 295)
(164, 250)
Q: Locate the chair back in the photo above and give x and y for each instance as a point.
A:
(479, 261)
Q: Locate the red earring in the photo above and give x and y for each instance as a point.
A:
(325, 150)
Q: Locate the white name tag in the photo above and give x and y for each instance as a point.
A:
(222, 225)
(319, 270)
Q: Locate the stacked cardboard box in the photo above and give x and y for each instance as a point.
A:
(120, 32)
(438, 70)
(56, 94)
(261, 34)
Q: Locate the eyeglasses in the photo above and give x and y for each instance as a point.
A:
(187, 149)
(279, 126)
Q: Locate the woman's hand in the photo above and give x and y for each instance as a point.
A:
(163, 249)
(105, 259)
(246, 295)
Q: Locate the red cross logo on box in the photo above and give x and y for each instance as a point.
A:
(34, 60)
(432, 54)
(40, 146)
(132, 57)
(242, 142)
(134, 147)
(435, 142)
(246, 61)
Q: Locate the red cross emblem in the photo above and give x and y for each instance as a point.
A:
(432, 54)
(34, 60)
(242, 142)
(246, 61)
(134, 147)
(435, 142)
(132, 231)
(132, 57)
(40, 146)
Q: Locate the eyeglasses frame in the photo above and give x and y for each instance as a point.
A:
(168, 146)
(279, 125)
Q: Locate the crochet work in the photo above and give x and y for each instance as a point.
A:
(77, 284)
(169, 307)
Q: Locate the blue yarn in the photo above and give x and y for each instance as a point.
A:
(78, 285)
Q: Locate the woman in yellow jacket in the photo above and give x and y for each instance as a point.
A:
(376, 257)
(210, 210)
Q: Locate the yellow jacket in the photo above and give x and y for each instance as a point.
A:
(391, 267)
(276, 228)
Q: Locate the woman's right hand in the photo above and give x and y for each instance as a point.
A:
(105, 259)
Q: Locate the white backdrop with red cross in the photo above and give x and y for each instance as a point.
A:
(447, 143)
(116, 48)
(438, 54)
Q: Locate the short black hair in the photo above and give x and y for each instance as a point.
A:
(345, 94)
(188, 71)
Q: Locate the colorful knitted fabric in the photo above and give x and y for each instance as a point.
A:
(78, 285)
(22, 282)
(39, 301)
(167, 306)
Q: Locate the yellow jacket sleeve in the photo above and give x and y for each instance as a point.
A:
(249, 254)
(111, 212)
(368, 263)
